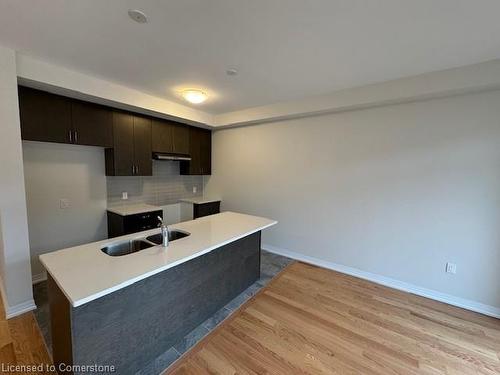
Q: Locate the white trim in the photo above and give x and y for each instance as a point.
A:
(389, 282)
(20, 308)
(38, 278)
(16, 310)
(3, 296)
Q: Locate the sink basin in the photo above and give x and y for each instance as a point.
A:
(126, 247)
(172, 236)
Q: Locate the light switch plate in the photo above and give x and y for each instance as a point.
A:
(124, 195)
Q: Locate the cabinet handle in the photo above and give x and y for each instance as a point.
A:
(70, 136)
(136, 169)
(76, 136)
(133, 169)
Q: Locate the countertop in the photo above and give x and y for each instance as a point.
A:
(200, 200)
(133, 209)
(84, 273)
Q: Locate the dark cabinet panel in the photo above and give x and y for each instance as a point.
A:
(170, 137)
(120, 159)
(52, 118)
(142, 146)
(206, 152)
(181, 139)
(44, 117)
(200, 149)
(205, 209)
(92, 124)
(119, 225)
(131, 154)
(162, 136)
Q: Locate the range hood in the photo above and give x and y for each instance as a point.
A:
(171, 157)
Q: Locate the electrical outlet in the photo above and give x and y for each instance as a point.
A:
(124, 195)
(451, 268)
(64, 203)
(195, 189)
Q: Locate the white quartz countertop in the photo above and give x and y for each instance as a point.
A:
(84, 273)
(200, 200)
(133, 209)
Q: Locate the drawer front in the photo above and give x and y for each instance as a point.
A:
(205, 209)
(142, 222)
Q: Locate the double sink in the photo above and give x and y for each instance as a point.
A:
(117, 249)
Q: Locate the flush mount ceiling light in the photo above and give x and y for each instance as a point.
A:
(138, 16)
(194, 96)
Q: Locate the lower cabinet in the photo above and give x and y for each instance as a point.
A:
(119, 225)
(205, 209)
(191, 210)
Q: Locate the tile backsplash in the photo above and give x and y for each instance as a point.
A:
(166, 186)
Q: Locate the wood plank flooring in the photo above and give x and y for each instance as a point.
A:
(21, 342)
(311, 320)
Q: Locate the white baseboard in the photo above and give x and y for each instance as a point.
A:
(38, 278)
(19, 309)
(392, 283)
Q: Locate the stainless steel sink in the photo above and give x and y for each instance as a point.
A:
(132, 246)
(172, 236)
(127, 247)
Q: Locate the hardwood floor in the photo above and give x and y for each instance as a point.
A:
(311, 320)
(21, 342)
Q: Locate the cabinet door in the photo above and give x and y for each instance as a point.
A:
(200, 150)
(194, 151)
(44, 117)
(142, 146)
(92, 124)
(123, 152)
(205, 152)
(205, 209)
(180, 135)
(162, 136)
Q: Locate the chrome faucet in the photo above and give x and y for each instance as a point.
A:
(164, 232)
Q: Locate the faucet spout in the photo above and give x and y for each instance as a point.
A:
(164, 232)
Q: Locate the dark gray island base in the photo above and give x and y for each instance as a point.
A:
(134, 325)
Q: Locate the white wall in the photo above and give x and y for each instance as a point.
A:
(56, 171)
(14, 245)
(396, 191)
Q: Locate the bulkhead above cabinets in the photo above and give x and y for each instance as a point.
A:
(130, 139)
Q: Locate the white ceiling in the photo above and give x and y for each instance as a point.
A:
(283, 49)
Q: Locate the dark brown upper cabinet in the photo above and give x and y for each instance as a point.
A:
(92, 124)
(48, 117)
(131, 155)
(170, 137)
(200, 150)
(44, 117)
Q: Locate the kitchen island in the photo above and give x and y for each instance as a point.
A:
(126, 310)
